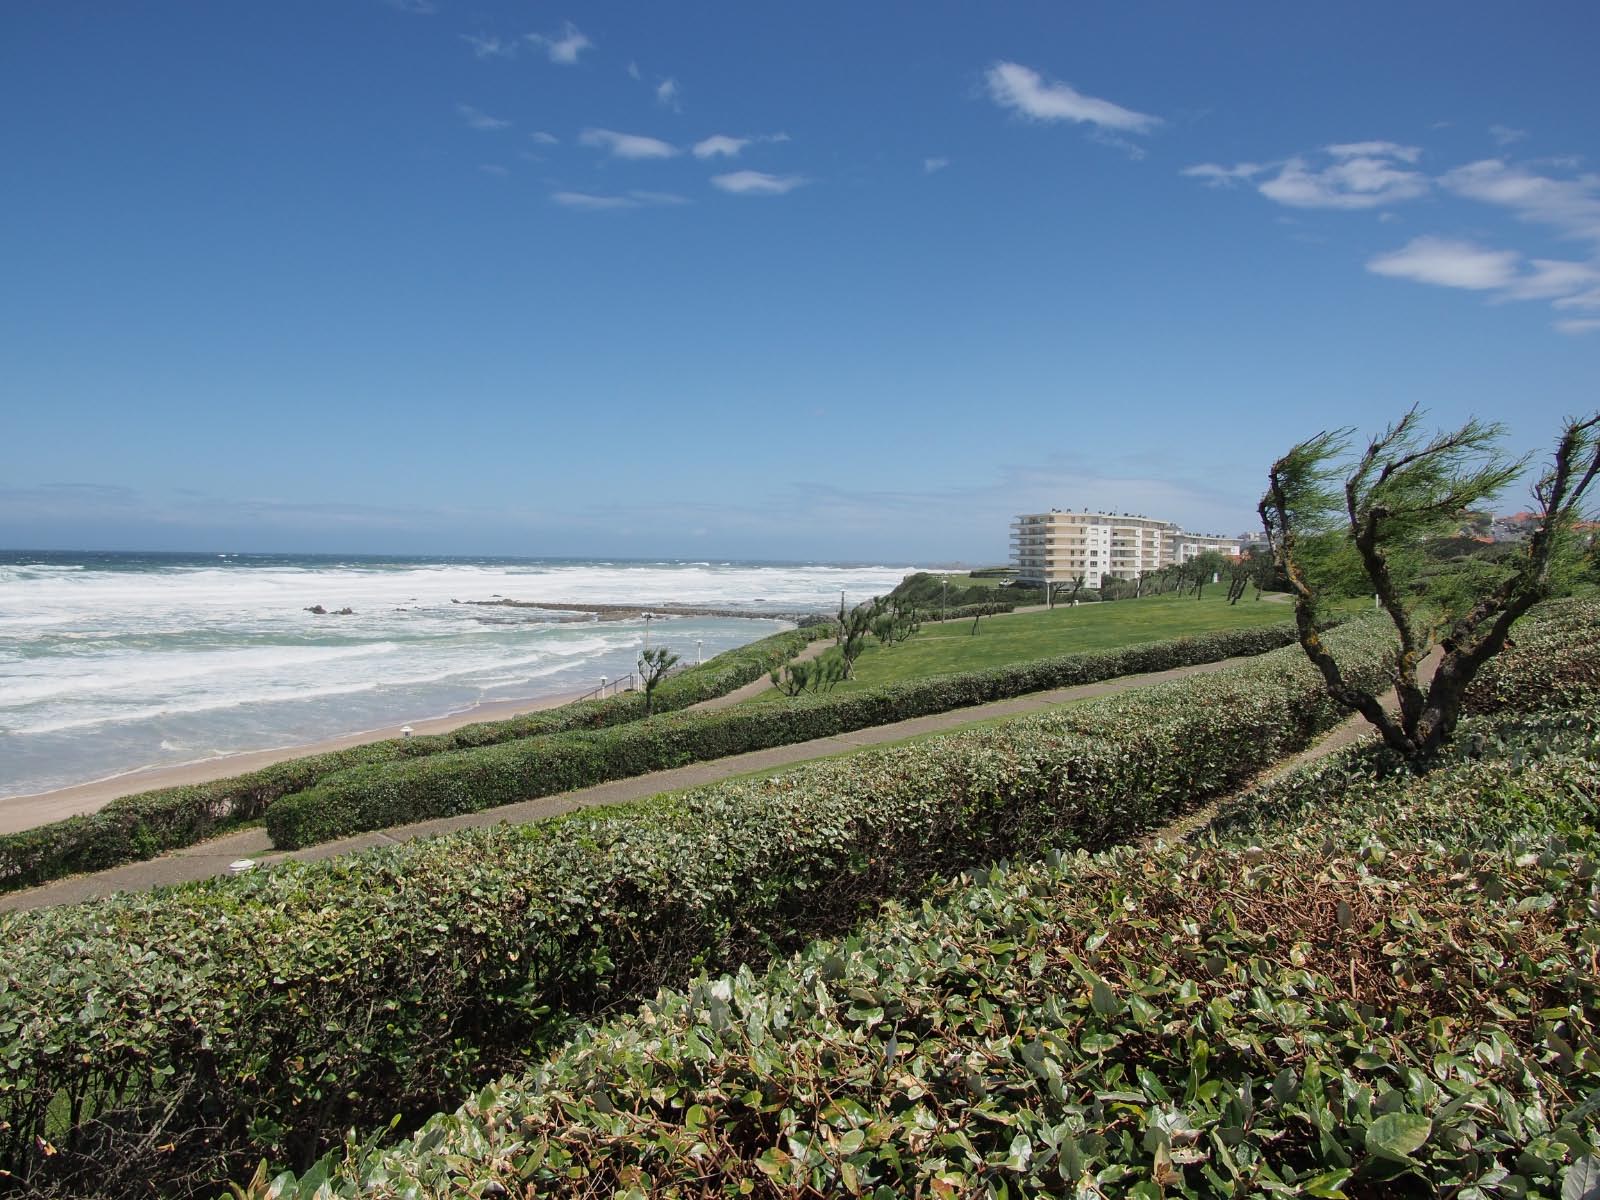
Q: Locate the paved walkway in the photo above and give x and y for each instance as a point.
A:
(215, 857)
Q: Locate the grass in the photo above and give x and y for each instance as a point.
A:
(943, 647)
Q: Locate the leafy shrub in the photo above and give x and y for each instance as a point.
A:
(144, 825)
(1357, 1023)
(384, 795)
(182, 1034)
(1553, 663)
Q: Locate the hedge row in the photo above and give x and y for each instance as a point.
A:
(386, 795)
(1327, 1017)
(162, 1039)
(144, 825)
(962, 611)
(1550, 662)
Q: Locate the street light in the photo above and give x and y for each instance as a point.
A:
(698, 658)
(648, 617)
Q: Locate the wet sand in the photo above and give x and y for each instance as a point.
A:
(25, 812)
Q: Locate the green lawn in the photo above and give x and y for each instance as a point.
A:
(942, 647)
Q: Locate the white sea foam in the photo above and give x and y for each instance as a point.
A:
(108, 669)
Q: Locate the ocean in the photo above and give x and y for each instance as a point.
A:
(114, 662)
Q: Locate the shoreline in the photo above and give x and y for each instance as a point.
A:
(20, 813)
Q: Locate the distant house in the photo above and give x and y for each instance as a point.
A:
(1514, 528)
(1058, 547)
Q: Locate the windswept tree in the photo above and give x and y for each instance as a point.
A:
(1322, 509)
(854, 626)
(1204, 567)
(653, 667)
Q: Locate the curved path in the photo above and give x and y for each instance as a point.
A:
(215, 857)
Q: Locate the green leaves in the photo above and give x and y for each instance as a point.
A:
(1396, 1136)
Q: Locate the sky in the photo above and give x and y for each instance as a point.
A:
(852, 282)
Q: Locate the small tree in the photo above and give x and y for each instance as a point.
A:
(1400, 491)
(1203, 567)
(653, 666)
(854, 626)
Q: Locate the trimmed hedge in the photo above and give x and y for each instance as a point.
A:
(141, 826)
(390, 794)
(1553, 662)
(166, 1039)
(1373, 981)
(1335, 1020)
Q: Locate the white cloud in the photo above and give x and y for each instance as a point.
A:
(486, 46)
(1217, 175)
(1583, 301)
(1504, 135)
(757, 183)
(564, 47)
(591, 202)
(730, 147)
(1571, 206)
(1362, 175)
(667, 93)
(494, 169)
(627, 145)
(480, 120)
(1012, 85)
(1579, 325)
(419, 7)
(1553, 279)
(633, 71)
(545, 139)
(1408, 154)
(930, 165)
(1448, 264)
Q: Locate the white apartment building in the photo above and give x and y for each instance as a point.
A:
(1057, 547)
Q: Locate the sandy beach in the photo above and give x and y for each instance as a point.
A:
(25, 812)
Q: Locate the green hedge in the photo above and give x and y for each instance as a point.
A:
(141, 826)
(182, 1034)
(1551, 662)
(1327, 1019)
(390, 794)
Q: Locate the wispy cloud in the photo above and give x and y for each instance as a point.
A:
(494, 169)
(592, 202)
(1014, 86)
(627, 145)
(667, 94)
(545, 139)
(757, 183)
(930, 165)
(563, 47)
(1570, 206)
(1579, 325)
(729, 147)
(1504, 135)
(488, 46)
(420, 8)
(1361, 175)
(1448, 264)
(480, 120)
(634, 72)
(1371, 175)
(1217, 175)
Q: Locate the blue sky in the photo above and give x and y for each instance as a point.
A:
(777, 281)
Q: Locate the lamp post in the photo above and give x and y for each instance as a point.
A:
(944, 596)
(698, 656)
(648, 617)
(602, 687)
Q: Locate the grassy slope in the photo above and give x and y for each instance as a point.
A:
(943, 647)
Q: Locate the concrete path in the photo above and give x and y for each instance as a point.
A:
(215, 857)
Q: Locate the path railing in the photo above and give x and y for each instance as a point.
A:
(610, 687)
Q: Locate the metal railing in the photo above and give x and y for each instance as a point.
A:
(610, 687)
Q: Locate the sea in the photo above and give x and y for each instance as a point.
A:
(111, 663)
